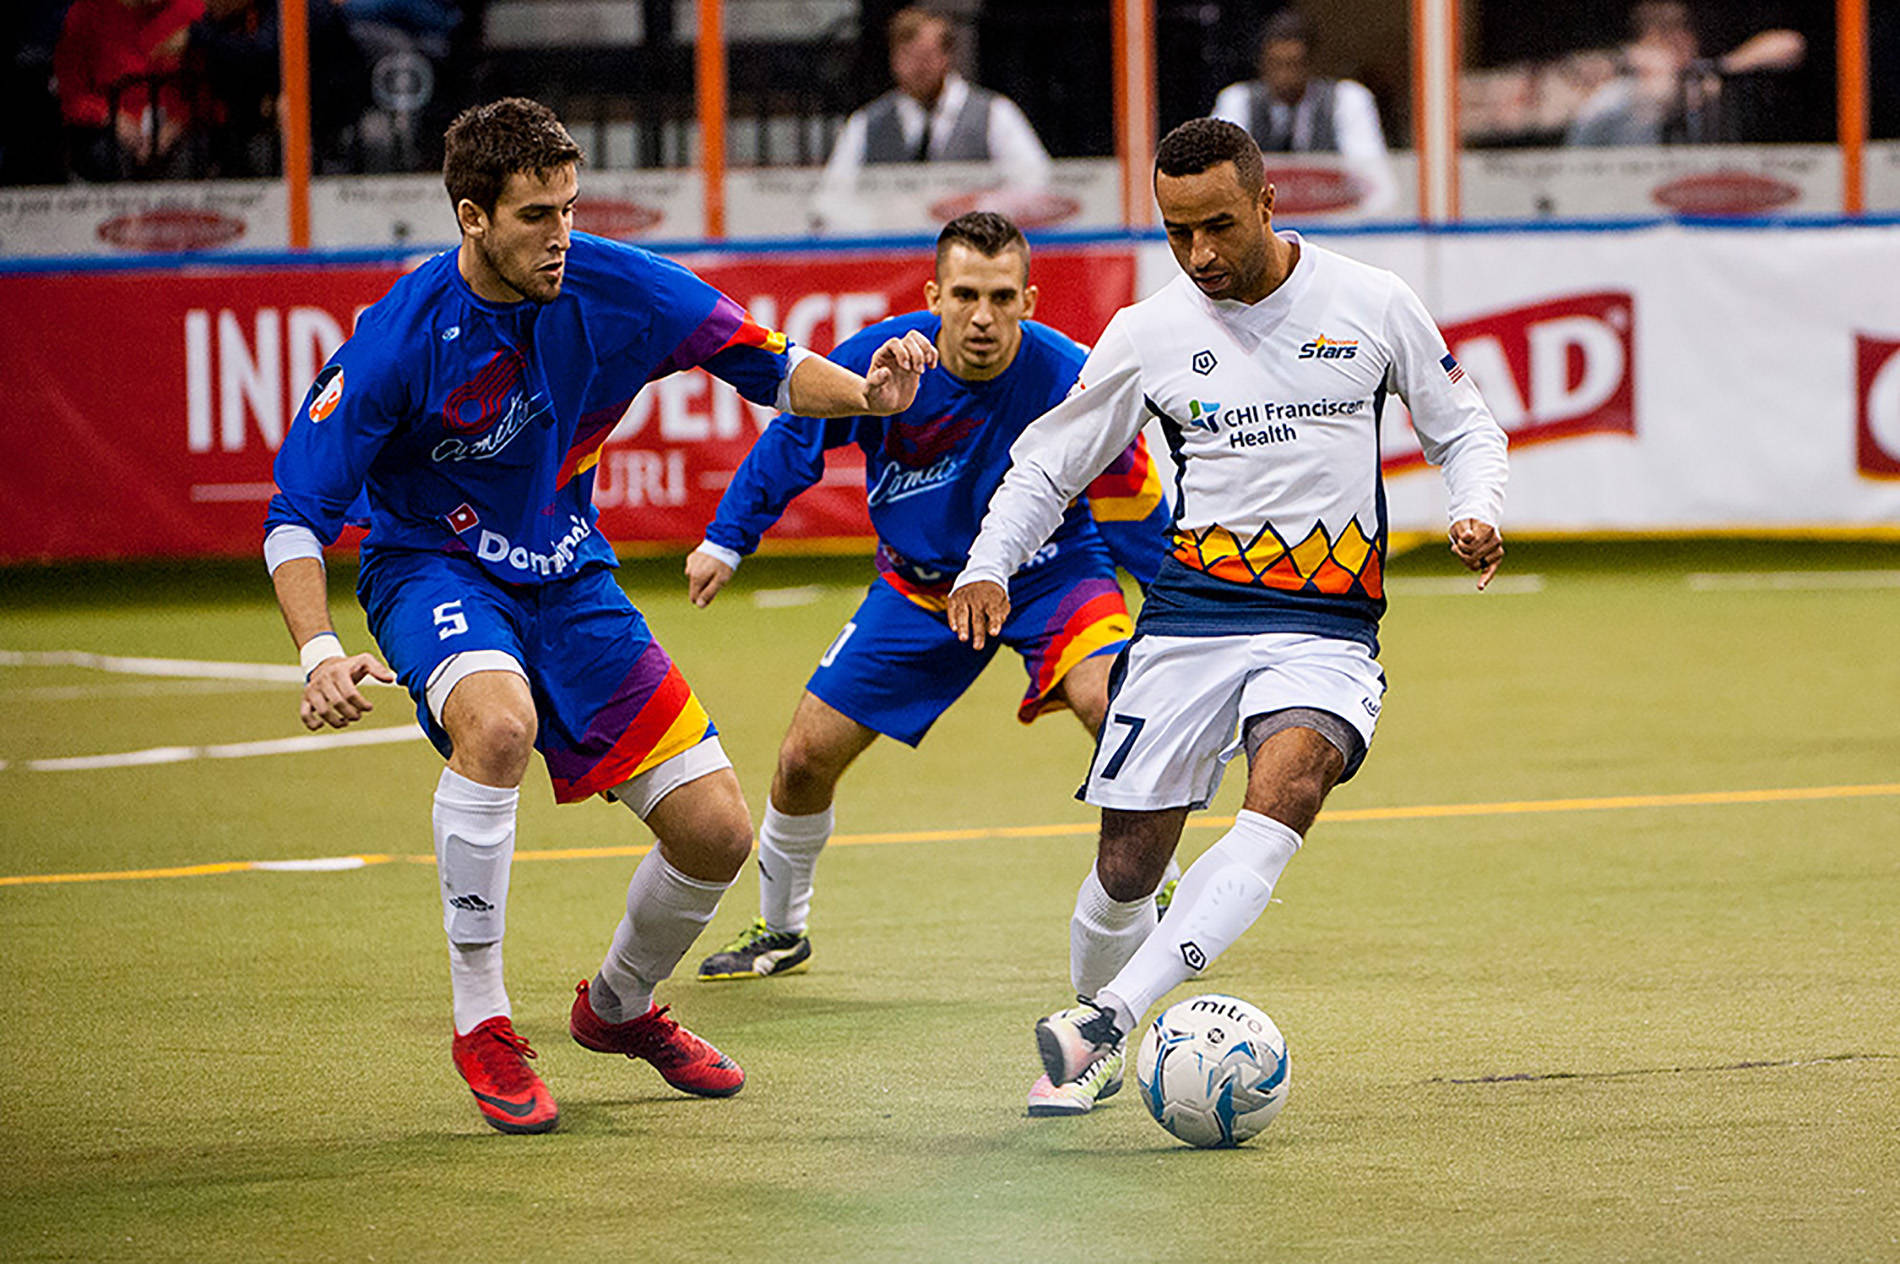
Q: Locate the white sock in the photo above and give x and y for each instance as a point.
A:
(475, 978)
(666, 910)
(474, 829)
(1104, 934)
(788, 856)
(1220, 896)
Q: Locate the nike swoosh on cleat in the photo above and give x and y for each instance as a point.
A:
(520, 1110)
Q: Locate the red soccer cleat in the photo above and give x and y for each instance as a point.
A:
(512, 1098)
(685, 1061)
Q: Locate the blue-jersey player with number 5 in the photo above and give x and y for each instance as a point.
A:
(471, 406)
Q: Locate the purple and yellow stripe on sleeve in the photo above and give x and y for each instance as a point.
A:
(1092, 619)
(590, 436)
(1129, 489)
(727, 326)
(652, 716)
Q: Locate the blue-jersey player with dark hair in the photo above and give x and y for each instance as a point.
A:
(471, 406)
(929, 473)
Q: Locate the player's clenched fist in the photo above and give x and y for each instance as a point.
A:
(977, 612)
(331, 697)
(890, 383)
(1479, 546)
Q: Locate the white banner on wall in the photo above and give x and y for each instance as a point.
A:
(1670, 378)
(120, 219)
(1882, 171)
(348, 211)
(1636, 183)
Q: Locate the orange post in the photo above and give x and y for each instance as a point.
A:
(710, 92)
(294, 52)
(1133, 43)
(1850, 21)
(1435, 30)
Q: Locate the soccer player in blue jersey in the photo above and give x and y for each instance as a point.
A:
(471, 405)
(930, 471)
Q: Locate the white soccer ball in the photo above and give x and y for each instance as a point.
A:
(1213, 1070)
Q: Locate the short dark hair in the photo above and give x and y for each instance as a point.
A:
(488, 143)
(1287, 24)
(986, 232)
(1204, 143)
(907, 24)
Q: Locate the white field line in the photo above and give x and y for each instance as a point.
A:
(185, 668)
(1463, 586)
(785, 598)
(234, 750)
(1789, 581)
(80, 693)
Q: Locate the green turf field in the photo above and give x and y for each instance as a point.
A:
(1555, 1028)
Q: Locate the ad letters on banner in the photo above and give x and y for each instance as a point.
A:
(1551, 370)
(1877, 442)
(163, 446)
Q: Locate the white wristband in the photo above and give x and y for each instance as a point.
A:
(720, 553)
(320, 648)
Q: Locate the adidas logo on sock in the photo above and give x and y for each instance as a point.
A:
(471, 903)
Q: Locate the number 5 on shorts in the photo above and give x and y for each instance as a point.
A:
(1120, 757)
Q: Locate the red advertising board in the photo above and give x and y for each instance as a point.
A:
(141, 410)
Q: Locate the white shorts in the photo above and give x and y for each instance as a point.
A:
(1178, 701)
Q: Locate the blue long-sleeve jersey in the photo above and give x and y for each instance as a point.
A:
(931, 469)
(475, 427)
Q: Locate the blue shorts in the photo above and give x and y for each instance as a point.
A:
(897, 666)
(611, 702)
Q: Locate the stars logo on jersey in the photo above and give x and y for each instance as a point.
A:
(1204, 362)
(1204, 415)
(1453, 369)
(1324, 348)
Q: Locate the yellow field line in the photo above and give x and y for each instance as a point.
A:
(1416, 812)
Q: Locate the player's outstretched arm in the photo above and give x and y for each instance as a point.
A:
(977, 612)
(821, 388)
(330, 694)
(1479, 545)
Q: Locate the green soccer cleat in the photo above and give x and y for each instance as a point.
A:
(757, 954)
(1099, 1083)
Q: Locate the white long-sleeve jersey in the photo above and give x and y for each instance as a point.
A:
(1271, 412)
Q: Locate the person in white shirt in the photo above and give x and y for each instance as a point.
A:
(932, 115)
(1268, 366)
(1288, 109)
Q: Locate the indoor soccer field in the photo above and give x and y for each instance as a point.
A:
(1594, 961)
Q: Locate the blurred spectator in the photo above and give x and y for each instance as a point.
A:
(235, 46)
(406, 44)
(1667, 92)
(117, 64)
(1289, 109)
(932, 115)
(30, 149)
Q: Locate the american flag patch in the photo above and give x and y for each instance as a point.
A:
(462, 519)
(1452, 368)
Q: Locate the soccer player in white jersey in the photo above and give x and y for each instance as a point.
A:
(1267, 365)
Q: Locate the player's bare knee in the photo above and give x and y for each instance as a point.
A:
(1129, 874)
(806, 777)
(713, 848)
(496, 737)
